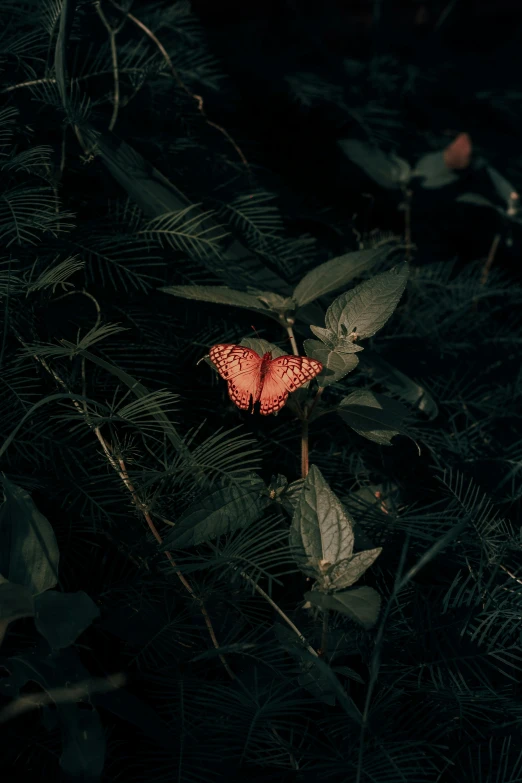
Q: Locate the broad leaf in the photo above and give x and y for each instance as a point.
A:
(362, 604)
(364, 310)
(62, 617)
(347, 572)
(328, 337)
(336, 365)
(334, 274)
(262, 346)
(16, 601)
(83, 741)
(396, 381)
(221, 511)
(505, 189)
(218, 294)
(374, 416)
(389, 171)
(434, 171)
(28, 550)
(321, 533)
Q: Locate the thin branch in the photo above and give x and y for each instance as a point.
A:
(113, 32)
(293, 343)
(287, 620)
(119, 466)
(489, 260)
(304, 448)
(181, 84)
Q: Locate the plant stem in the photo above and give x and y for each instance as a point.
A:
(304, 448)
(489, 260)
(324, 635)
(119, 466)
(292, 340)
(280, 612)
(407, 222)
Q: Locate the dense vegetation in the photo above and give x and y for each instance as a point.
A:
(192, 593)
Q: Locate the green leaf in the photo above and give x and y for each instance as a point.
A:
(321, 531)
(505, 189)
(28, 550)
(334, 274)
(262, 346)
(83, 741)
(16, 601)
(396, 381)
(346, 572)
(62, 617)
(374, 416)
(362, 604)
(326, 336)
(336, 365)
(365, 309)
(62, 47)
(434, 171)
(389, 171)
(221, 511)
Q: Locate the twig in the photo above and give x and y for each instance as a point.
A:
(119, 466)
(181, 84)
(113, 32)
(304, 448)
(293, 343)
(489, 260)
(281, 613)
(61, 695)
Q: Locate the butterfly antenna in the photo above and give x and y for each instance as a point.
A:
(255, 331)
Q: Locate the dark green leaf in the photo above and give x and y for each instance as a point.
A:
(62, 617)
(434, 171)
(389, 171)
(62, 47)
(28, 550)
(478, 200)
(83, 739)
(365, 309)
(219, 295)
(328, 337)
(374, 416)
(334, 274)
(336, 365)
(221, 511)
(346, 572)
(321, 533)
(396, 381)
(262, 346)
(362, 604)
(504, 188)
(15, 601)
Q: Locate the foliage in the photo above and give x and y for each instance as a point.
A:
(189, 592)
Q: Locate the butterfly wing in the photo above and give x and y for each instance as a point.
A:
(286, 374)
(241, 367)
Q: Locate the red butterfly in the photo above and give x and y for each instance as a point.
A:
(252, 378)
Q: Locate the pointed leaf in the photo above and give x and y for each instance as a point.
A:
(347, 572)
(336, 365)
(328, 337)
(362, 604)
(62, 617)
(321, 531)
(374, 416)
(504, 189)
(219, 295)
(434, 171)
(365, 309)
(389, 171)
(396, 381)
(28, 550)
(334, 274)
(221, 511)
(16, 601)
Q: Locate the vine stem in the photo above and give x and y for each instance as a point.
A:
(293, 343)
(119, 467)
(489, 260)
(407, 223)
(278, 609)
(304, 448)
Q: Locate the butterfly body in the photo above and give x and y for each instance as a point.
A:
(252, 378)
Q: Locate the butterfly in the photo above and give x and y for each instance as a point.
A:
(252, 378)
